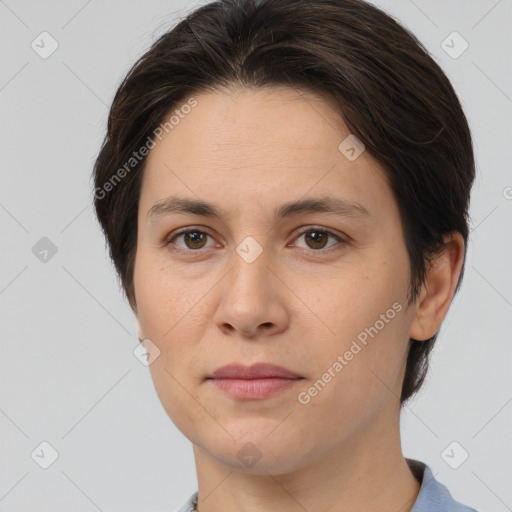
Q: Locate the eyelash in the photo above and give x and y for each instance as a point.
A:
(338, 238)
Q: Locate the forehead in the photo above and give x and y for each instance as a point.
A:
(259, 145)
(250, 124)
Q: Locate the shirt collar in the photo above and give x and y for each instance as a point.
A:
(433, 495)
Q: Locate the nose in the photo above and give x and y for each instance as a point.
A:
(253, 302)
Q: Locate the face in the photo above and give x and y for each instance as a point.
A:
(297, 260)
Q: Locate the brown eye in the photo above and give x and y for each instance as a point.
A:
(192, 240)
(317, 239)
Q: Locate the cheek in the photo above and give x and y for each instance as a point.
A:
(172, 313)
(357, 380)
(367, 313)
(174, 322)
(354, 301)
(177, 397)
(162, 297)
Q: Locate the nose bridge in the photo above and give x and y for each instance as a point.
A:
(250, 272)
(249, 302)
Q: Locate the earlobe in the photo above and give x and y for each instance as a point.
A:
(437, 292)
(138, 330)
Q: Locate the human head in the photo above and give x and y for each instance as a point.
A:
(389, 92)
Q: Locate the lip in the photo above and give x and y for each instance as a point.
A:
(255, 371)
(258, 381)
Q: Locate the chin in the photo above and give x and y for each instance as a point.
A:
(254, 448)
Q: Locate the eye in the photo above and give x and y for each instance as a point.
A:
(317, 238)
(193, 239)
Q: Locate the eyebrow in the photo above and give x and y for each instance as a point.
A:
(332, 205)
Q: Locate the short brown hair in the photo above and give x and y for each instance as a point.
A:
(391, 94)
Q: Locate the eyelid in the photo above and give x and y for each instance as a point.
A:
(341, 238)
(312, 227)
(184, 231)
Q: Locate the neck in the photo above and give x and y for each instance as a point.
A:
(366, 472)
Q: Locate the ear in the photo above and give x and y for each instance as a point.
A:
(140, 335)
(437, 292)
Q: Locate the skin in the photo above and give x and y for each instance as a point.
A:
(298, 305)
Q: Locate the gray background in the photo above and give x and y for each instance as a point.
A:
(68, 374)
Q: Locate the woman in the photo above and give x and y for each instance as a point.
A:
(284, 188)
